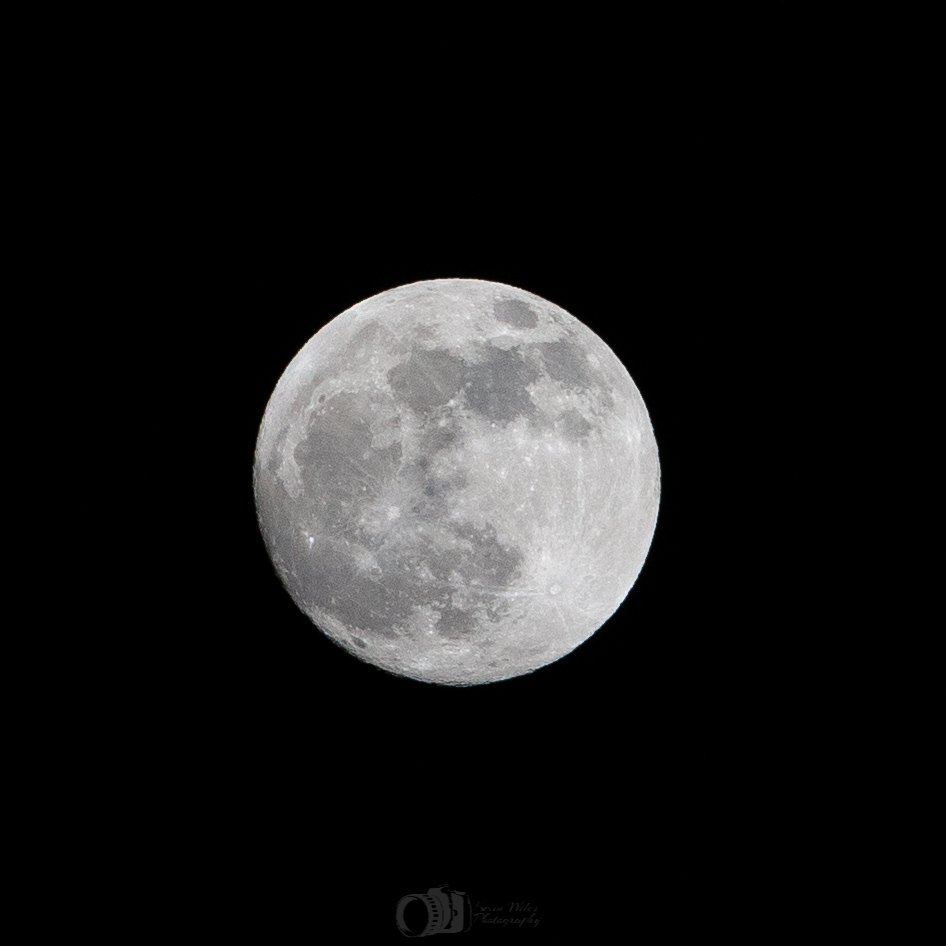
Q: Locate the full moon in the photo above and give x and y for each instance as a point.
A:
(457, 481)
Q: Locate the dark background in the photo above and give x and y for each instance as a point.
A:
(634, 786)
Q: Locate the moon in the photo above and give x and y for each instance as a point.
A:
(457, 481)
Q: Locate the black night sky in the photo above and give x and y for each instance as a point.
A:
(624, 790)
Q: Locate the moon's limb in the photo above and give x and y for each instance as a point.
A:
(457, 481)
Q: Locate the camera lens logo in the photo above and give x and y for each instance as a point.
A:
(440, 910)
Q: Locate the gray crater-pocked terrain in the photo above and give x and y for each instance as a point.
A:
(457, 481)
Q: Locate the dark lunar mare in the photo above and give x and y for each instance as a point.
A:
(493, 385)
(515, 312)
(412, 567)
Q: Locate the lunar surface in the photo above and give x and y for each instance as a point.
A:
(457, 481)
